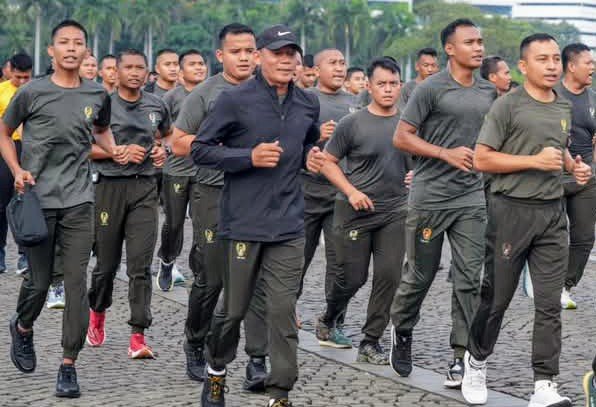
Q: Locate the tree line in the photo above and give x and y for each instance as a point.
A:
(361, 29)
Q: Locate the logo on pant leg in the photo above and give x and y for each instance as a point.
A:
(353, 234)
(241, 251)
(427, 234)
(103, 218)
(177, 188)
(507, 250)
(209, 236)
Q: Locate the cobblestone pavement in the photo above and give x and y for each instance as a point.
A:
(509, 369)
(108, 378)
(321, 382)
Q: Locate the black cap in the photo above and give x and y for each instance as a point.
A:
(277, 37)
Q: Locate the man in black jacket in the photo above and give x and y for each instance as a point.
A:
(259, 133)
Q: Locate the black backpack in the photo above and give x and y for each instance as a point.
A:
(26, 220)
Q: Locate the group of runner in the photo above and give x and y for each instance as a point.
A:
(278, 148)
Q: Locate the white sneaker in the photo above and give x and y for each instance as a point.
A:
(527, 285)
(566, 301)
(473, 385)
(56, 296)
(177, 276)
(545, 395)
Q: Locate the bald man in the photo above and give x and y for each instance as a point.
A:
(319, 193)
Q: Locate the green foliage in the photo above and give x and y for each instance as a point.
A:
(362, 29)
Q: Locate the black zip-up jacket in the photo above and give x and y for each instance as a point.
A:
(259, 204)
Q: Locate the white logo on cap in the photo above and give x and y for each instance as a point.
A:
(281, 34)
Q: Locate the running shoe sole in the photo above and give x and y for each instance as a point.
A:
(334, 345)
(144, 353)
(55, 305)
(68, 395)
(452, 384)
(88, 341)
(365, 359)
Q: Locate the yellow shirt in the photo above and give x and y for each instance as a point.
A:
(7, 91)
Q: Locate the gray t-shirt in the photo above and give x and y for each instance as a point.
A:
(333, 107)
(583, 122)
(405, 94)
(449, 115)
(517, 124)
(178, 166)
(136, 123)
(57, 127)
(372, 164)
(195, 108)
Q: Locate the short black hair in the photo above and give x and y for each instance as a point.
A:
(234, 29)
(427, 51)
(187, 53)
(449, 30)
(308, 61)
(70, 23)
(538, 37)
(489, 65)
(130, 51)
(387, 63)
(571, 51)
(21, 62)
(352, 70)
(106, 56)
(165, 51)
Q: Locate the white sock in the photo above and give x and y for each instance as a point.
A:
(214, 372)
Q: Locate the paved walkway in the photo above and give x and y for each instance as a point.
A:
(327, 378)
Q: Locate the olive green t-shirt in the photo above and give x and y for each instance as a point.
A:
(57, 127)
(406, 92)
(178, 166)
(449, 115)
(194, 109)
(136, 123)
(334, 106)
(517, 124)
(372, 165)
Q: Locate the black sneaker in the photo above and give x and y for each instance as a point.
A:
(372, 352)
(401, 354)
(66, 384)
(195, 362)
(279, 403)
(455, 374)
(213, 391)
(164, 279)
(256, 373)
(22, 352)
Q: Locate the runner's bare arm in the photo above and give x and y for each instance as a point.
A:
(8, 148)
(180, 142)
(336, 176)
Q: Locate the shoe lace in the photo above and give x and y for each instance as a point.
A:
(217, 386)
(69, 374)
(26, 344)
(477, 377)
(378, 348)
